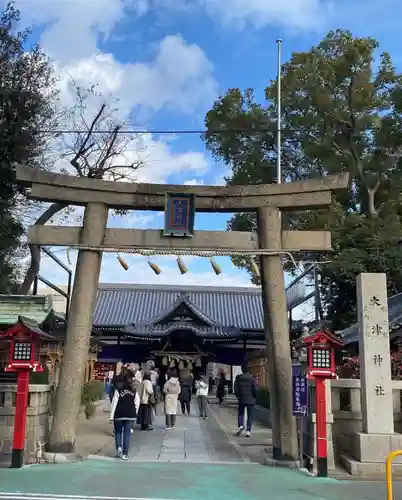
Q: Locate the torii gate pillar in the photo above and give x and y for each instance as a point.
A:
(276, 328)
(83, 300)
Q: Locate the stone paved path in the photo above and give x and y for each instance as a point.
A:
(192, 440)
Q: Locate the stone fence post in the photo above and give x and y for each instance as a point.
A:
(37, 417)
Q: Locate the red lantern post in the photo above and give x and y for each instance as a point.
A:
(321, 366)
(24, 357)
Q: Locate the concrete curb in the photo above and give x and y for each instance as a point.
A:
(285, 464)
(61, 458)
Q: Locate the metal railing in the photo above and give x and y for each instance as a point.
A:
(388, 472)
(66, 295)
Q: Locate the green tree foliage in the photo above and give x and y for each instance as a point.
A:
(26, 106)
(341, 111)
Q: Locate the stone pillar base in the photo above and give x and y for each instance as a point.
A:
(375, 447)
(370, 452)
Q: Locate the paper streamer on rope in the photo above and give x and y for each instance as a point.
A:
(156, 269)
(255, 268)
(181, 265)
(123, 263)
(210, 254)
(217, 269)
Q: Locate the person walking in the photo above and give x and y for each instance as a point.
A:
(202, 387)
(123, 412)
(146, 403)
(245, 389)
(186, 384)
(171, 390)
(222, 384)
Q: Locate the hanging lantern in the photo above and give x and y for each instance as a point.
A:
(165, 361)
(255, 268)
(181, 265)
(156, 269)
(190, 365)
(122, 262)
(172, 363)
(217, 269)
(68, 257)
(181, 365)
(198, 363)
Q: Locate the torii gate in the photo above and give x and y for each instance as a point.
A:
(97, 196)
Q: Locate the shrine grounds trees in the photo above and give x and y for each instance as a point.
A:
(26, 106)
(341, 112)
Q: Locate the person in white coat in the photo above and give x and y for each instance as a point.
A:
(202, 387)
(147, 401)
(171, 390)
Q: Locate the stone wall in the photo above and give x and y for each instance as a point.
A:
(347, 412)
(37, 416)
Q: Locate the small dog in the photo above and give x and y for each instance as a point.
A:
(39, 452)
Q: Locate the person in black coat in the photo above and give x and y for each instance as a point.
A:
(186, 384)
(123, 413)
(222, 384)
(245, 389)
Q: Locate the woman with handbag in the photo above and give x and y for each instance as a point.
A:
(147, 400)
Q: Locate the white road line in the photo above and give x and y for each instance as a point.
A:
(46, 496)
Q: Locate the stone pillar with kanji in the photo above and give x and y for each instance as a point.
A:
(378, 437)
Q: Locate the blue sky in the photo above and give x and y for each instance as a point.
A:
(167, 60)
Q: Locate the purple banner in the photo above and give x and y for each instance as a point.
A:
(299, 391)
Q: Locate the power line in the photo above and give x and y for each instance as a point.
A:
(156, 132)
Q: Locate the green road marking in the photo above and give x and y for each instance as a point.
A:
(178, 481)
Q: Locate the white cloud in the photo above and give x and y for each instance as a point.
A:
(292, 14)
(194, 182)
(179, 76)
(73, 28)
(160, 161)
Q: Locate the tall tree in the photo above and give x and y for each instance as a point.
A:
(341, 112)
(26, 106)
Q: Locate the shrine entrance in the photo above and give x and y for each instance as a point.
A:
(178, 238)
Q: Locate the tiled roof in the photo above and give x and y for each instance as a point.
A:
(350, 334)
(163, 330)
(122, 305)
(35, 307)
(182, 299)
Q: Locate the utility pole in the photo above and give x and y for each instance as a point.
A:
(279, 122)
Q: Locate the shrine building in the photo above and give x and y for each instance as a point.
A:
(197, 324)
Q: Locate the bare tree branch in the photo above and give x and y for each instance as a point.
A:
(92, 155)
